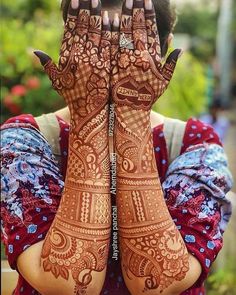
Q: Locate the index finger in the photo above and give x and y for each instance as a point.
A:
(68, 37)
(152, 29)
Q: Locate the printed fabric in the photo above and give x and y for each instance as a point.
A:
(195, 187)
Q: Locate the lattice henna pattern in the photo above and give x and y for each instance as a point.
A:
(77, 243)
(152, 248)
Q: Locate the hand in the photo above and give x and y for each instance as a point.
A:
(138, 77)
(83, 74)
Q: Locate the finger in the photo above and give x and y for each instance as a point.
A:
(126, 34)
(95, 25)
(105, 47)
(139, 24)
(169, 66)
(115, 36)
(68, 38)
(106, 31)
(49, 66)
(83, 18)
(152, 30)
(72, 15)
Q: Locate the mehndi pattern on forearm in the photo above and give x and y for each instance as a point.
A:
(152, 248)
(77, 243)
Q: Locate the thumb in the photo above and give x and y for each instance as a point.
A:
(49, 66)
(169, 66)
(43, 57)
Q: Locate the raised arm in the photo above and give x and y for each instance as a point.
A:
(155, 259)
(73, 257)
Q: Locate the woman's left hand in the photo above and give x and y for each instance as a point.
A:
(138, 77)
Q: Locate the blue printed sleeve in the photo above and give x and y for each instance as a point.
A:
(195, 190)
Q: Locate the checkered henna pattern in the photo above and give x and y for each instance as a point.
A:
(77, 243)
(153, 252)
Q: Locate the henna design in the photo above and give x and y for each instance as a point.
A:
(144, 63)
(152, 248)
(72, 245)
(78, 241)
(157, 257)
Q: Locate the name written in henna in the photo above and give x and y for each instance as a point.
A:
(115, 247)
(125, 91)
(113, 158)
(133, 93)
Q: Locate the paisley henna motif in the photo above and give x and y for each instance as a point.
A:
(77, 243)
(152, 248)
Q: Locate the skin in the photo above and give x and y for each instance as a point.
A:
(75, 251)
(88, 186)
(154, 257)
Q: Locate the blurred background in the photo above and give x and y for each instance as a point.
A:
(204, 85)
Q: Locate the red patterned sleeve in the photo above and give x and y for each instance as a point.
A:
(197, 132)
(31, 186)
(195, 190)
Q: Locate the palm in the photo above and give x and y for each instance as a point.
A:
(83, 72)
(138, 78)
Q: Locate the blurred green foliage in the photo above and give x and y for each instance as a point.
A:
(199, 22)
(223, 281)
(186, 95)
(26, 26)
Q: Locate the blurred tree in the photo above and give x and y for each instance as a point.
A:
(27, 25)
(27, 9)
(186, 95)
(225, 53)
(199, 22)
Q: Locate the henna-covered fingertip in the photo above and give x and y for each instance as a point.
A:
(148, 5)
(73, 8)
(174, 56)
(116, 23)
(127, 7)
(138, 4)
(105, 19)
(43, 57)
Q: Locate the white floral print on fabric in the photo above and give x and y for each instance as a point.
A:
(202, 168)
(27, 160)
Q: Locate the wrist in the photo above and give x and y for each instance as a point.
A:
(138, 121)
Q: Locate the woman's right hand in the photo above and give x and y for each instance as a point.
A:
(82, 76)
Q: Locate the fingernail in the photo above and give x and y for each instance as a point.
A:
(105, 18)
(75, 4)
(43, 57)
(129, 4)
(116, 22)
(148, 4)
(94, 3)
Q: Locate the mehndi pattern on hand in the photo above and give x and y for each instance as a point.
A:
(77, 243)
(152, 248)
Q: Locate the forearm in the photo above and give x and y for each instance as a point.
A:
(154, 255)
(76, 247)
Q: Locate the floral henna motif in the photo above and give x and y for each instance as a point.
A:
(78, 249)
(81, 61)
(143, 63)
(152, 248)
(157, 256)
(78, 241)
